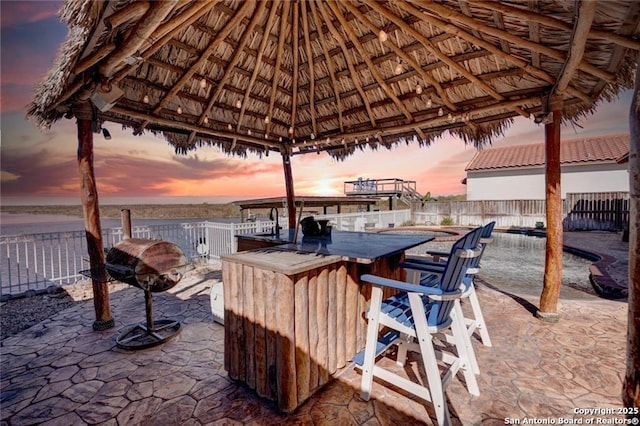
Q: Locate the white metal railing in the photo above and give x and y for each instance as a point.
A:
(363, 220)
(35, 262)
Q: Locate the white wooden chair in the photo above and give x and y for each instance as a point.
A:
(436, 266)
(414, 317)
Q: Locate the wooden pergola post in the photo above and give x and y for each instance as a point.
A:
(93, 231)
(288, 181)
(553, 254)
(631, 386)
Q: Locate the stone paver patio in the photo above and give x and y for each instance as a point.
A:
(61, 372)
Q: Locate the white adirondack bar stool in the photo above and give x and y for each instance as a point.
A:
(416, 315)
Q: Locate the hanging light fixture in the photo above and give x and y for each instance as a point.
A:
(179, 110)
(145, 99)
(418, 89)
(450, 117)
(398, 69)
(249, 132)
(203, 83)
(383, 36)
(266, 119)
(229, 126)
(238, 104)
(206, 120)
(313, 136)
(429, 102)
(440, 112)
(291, 130)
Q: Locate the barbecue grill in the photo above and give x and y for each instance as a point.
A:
(153, 266)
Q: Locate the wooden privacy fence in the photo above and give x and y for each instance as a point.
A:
(598, 210)
(581, 211)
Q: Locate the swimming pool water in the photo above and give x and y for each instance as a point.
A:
(515, 264)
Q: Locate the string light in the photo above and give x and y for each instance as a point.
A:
(398, 69)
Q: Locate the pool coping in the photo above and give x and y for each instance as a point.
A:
(605, 286)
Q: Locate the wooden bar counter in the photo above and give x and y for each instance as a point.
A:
(294, 314)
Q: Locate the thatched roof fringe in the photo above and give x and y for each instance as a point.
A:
(228, 73)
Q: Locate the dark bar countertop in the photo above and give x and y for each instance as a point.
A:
(362, 247)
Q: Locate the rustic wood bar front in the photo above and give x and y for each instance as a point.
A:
(294, 313)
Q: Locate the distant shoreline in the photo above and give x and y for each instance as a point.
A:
(140, 211)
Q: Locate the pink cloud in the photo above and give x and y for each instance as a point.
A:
(21, 12)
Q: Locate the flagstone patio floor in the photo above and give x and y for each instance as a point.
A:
(61, 372)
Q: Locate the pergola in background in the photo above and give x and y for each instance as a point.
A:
(299, 77)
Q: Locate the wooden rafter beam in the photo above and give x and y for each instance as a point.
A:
(436, 52)
(166, 32)
(138, 36)
(432, 121)
(586, 13)
(330, 69)
(177, 87)
(356, 80)
(530, 16)
(401, 53)
(130, 12)
(443, 11)
(415, 65)
(296, 64)
(281, 39)
(175, 124)
(371, 67)
(94, 58)
(312, 79)
(496, 51)
(258, 65)
(257, 15)
(534, 34)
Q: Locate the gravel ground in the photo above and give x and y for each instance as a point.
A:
(19, 314)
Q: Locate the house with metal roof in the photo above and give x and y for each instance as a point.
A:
(598, 164)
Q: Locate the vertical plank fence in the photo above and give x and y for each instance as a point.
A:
(606, 211)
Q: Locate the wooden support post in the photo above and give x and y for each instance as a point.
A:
(93, 231)
(390, 202)
(631, 386)
(288, 181)
(553, 254)
(125, 217)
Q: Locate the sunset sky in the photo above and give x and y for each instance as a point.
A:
(39, 167)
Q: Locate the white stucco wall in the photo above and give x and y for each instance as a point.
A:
(529, 184)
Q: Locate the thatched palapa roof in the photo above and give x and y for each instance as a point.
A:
(310, 76)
